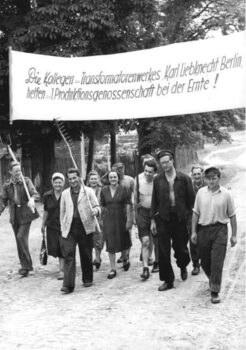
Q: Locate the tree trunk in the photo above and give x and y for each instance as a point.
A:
(90, 154)
(113, 147)
(143, 132)
(43, 161)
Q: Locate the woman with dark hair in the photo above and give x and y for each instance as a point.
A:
(51, 219)
(94, 182)
(117, 220)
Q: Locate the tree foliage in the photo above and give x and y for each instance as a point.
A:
(94, 27)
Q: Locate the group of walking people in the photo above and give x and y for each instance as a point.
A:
(169, 208)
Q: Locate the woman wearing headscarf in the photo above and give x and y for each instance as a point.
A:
(51, 219)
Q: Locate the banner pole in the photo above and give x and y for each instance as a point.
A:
(10, 87)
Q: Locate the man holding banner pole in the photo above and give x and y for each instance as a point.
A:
(22, 212)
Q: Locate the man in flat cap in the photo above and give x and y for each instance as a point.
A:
(213, 209)
(172, 198)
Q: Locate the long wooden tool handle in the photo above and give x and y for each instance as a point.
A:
(22, 177)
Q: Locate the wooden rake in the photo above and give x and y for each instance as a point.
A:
(69, 143)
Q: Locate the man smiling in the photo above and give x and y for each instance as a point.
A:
(142, 211)
(22, 212)
(77, 226)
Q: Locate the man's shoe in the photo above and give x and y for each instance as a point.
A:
(215, 299)
(165, 286)
(120, 260)
(126, 265)
(145, 274)
(150, 262)
(67, 290)
(155, 267)
(195, 270)
(112, 274)
(60, 275)
(183, 273)
(23, 272)
(88, 284)
(97, 264)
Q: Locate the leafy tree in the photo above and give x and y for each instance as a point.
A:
(185, 21)
(69, 28)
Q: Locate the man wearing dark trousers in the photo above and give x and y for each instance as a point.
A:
(22, 212)
(172, 199)
(198, 182)
(77, 227)
(213, 210)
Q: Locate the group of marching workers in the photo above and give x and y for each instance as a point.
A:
(169, 208)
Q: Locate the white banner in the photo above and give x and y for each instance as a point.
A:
(190, 77)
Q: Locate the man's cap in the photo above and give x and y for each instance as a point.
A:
(212, 170)
(165, 152)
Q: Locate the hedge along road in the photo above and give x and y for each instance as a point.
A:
(126, 313)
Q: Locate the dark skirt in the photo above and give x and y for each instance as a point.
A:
(53, 244)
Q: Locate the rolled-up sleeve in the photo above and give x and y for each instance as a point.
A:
(231, 210)
(196, 208)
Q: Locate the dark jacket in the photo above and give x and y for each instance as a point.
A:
(52, 206)
(26, 215)
(184, 196)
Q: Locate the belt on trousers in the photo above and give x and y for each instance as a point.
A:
(144, 209)
(213, 225)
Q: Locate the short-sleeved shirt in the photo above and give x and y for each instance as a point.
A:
(52, 206)
(213, 207)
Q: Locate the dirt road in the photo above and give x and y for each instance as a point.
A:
(126, 313)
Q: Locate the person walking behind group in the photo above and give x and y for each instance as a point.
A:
(172, 198)
(22, 212)
(77, 227)
(51, 219)
(127, 182)
(213, 209)
(142, 204)
(94, 183)
(198, 182)
(117, 220)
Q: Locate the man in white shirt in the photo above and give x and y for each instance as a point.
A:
(213, 209)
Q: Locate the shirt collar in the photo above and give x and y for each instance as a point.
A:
(75, 192)
(218, 190)
(19, 181)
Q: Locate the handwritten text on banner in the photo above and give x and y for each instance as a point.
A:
(191, 77)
